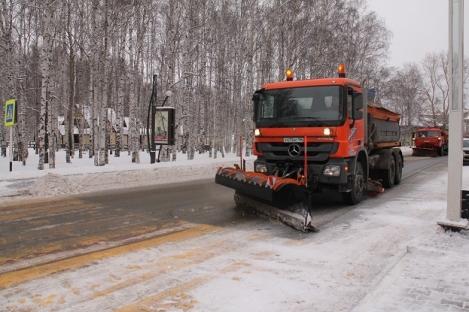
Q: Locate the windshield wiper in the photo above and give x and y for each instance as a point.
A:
(297, 117)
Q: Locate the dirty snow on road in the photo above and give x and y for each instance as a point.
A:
(388, 254)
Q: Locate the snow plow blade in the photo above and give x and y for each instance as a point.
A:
(282, 199)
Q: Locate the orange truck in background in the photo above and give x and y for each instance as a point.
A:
(313, 135)
(430, 141)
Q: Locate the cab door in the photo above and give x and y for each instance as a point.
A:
(355, 120)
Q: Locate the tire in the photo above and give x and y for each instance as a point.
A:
(358, 188)
(389, 175)
(398, 174)
(441, 151)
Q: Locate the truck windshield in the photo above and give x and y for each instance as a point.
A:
(427, 134)
(301, 107)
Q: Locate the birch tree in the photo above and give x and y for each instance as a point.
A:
(46, 58)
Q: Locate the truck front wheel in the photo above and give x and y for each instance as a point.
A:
(441, 151)
(358, 187)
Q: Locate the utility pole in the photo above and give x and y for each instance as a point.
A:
(453, 219)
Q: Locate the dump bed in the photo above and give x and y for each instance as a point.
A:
(383, 128)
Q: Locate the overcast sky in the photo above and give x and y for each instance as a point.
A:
(417, 26)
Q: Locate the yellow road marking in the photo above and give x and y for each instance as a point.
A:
(17, 277)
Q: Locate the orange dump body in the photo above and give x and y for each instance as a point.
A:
(383, 113)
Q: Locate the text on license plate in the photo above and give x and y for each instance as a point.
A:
(293, 140)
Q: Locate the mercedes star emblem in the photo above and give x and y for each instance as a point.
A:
(294, 150)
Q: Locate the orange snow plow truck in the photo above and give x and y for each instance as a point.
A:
(311, 135)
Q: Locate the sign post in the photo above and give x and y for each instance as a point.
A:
(11, 114)
(453, 219)
(153, 99)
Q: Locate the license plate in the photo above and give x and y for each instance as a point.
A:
(293, 140)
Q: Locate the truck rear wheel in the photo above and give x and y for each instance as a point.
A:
(389, 175)
(358, 187)
(398, 177)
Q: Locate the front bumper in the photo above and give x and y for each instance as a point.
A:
(316, 175)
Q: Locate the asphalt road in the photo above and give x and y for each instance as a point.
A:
(39, 232)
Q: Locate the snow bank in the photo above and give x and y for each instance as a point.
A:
(82, 176)
(406, 151)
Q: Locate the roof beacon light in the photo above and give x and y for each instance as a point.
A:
(341, 70)
(289, 74)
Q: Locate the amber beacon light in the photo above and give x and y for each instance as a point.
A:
(289, 74)
(341, 70)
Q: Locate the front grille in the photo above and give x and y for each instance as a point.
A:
(316, 151)
(427, 145)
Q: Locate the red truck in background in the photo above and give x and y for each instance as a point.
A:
(430, 141)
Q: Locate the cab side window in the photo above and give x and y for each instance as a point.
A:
(349, 102)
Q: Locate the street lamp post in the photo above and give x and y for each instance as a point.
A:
(153, 112)
(453, 219)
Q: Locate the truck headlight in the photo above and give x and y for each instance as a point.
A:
(332, 171)
(257, 132)
(327, 131)
(262, 168)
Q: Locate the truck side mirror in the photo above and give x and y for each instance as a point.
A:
(256, 98)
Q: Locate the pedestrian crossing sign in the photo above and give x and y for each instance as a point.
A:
(10, 113)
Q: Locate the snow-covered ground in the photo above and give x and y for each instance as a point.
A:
(81, 175)
(387, 254)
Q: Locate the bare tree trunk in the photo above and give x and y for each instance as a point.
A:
(71, 98)
(46, 55)
(81, 127)
(22, 137)
(133, 131)
(52, 125)
(120, 106)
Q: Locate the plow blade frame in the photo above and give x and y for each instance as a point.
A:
(252, 190)
(273, 204)
(284, 197)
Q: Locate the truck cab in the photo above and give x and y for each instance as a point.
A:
(326, 113)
